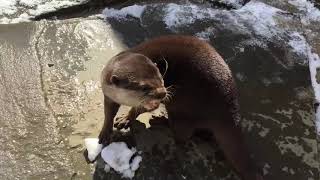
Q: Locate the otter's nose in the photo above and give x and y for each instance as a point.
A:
(160, 93)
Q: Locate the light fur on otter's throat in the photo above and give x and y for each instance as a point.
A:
(120, 95)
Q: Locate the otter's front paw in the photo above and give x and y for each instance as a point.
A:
(104, 138)
(122, 122)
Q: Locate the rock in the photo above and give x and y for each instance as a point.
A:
(257, 41)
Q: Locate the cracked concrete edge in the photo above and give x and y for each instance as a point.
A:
(73, 157)
(41, 28)
(37, 53)
(43, 119)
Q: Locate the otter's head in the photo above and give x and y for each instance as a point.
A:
(134, 80)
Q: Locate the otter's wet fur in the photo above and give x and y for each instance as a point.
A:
(203, 93)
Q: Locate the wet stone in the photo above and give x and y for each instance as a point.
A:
(276, 95)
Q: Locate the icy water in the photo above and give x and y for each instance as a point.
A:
(51, 99)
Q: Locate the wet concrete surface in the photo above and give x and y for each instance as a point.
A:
(49, 96)
(51, 100)
(15, 11)
(31, 146)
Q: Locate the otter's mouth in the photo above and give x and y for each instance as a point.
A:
(151, 105)
(154, 99)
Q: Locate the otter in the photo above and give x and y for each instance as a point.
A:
(204, 93)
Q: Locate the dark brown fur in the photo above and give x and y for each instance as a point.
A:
(205, 95)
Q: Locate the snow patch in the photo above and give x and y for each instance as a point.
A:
(30, 3)
(234, 3)
(15, 11)
(5, 20)
(177, 15)
(256, 17)
(135, 163)
(8, 7)
(117, 155)
(94, 34)
(311, 13)
(93, 147)
(298, 43)
(301, 47)
(133, 11)
(22, 18)
(261, 17)
(206, 34)
(52, 6)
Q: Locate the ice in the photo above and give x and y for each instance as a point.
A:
(298, 43)
(135, 163)
(177, 15)
(30, 3)
(117, 155)
(206, 34)
(134, 11)
(254, 16)
(16, 11)
(93, 147)
(5, 20)
(22, 18)
(234, 3)
(311, 13)
(51, 6)
(260, 16)
(8, 7)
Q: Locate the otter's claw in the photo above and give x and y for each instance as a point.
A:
(122, 122)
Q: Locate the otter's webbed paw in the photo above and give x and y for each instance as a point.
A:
(122, 122)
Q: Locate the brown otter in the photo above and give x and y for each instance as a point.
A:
(205, 95)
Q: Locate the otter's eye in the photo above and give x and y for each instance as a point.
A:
(146, 88)
(124, 82)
